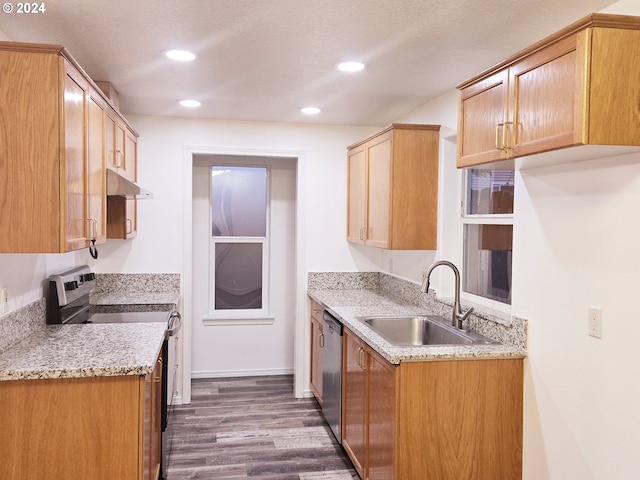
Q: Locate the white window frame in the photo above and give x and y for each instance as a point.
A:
(480, 219)
(241, 316)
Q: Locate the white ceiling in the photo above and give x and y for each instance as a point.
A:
(261, 60)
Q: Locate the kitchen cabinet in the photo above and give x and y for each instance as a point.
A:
(393, 188)
(448, 419)
(577, 87)
(122, 155)
(317, 353)
(52, 180)
(153, 417)
(90, 427)
(122, 217)
(368, 428)
(121, 146)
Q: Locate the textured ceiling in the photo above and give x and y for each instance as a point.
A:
(261, 60)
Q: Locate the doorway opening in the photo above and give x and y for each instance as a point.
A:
(231, 344)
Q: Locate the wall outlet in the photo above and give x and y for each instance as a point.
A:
(4, 300)
(595, 322)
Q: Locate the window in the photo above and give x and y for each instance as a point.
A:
(487, 223)
(239, 241)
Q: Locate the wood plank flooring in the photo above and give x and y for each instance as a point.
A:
(252, 427)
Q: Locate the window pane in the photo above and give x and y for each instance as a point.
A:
(489, 191)
(238, 276)
(239, 201)
(487, 261)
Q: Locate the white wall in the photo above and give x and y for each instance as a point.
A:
(23, 274)
(575, 246)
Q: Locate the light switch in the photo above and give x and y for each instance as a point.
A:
(595, 322)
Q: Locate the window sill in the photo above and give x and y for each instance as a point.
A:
(217, 321)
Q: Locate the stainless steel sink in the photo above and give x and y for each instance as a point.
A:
(422, 330)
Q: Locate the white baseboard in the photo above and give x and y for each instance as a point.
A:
(241, 373)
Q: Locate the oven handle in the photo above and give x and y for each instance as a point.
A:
(175, 323)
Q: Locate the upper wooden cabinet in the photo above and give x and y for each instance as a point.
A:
(578, 87)
(121, 144)
(122, 157)
(52, 173)
(59, 133)
(393, 188)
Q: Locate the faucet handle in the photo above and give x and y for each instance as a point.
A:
(460, 317)
(466, 314)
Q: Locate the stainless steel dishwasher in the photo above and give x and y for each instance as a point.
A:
(332, 374)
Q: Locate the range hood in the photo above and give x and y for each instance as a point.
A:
(119, 186)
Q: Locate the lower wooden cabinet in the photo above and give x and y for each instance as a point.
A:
(317, 350)
(444, 420)
(81, 428)
(368, 426)
(153, 412)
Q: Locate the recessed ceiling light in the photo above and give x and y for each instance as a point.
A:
(190, 103)
(350, 66)
(310, 110)
(180, 55)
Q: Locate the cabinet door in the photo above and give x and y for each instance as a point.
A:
(121, 217)
(317, 345)
(130, 155)
(378, 152)
(70, 428)
(545, 90)
(150, 423)
(76, 218)
(354, 397)
(122, 220)
(156, 418)
(146, 419)
(96, 179)
(131, 166)
(113, 158)
(382, 418)
(481, 122)
(357, 195)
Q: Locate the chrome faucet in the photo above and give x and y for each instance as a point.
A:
(457, 316)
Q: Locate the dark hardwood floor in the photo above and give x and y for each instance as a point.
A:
(252, 427)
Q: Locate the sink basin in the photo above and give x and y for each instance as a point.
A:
(422, 330)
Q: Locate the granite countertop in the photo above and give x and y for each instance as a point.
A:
(84, 350)
(347, 305)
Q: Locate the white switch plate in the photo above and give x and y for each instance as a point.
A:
(595, 322)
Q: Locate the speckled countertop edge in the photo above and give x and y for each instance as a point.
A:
(348, 305)
(71, 351)
(135, 298)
